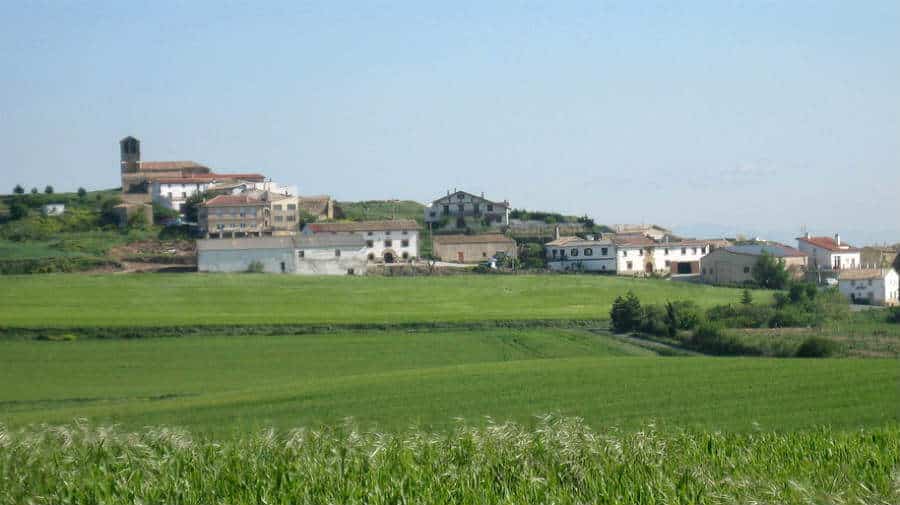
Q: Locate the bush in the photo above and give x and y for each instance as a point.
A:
(894, 315)
(710, 338)
(654, 321)
(626, 313)
(18, 211)
(817, 347)
(255, 267)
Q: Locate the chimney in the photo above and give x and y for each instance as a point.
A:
(808, 236)
(837, 239)
(557, 232)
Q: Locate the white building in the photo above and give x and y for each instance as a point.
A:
(53, 209)
(328, 255)
(640, 254)
(874, 286)
(173, 192)
(386, 241)
(574, 254)
(459, 206)
(826, 253)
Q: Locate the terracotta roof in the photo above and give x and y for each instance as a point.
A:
(569, 241)
(170, 165)
(863, 274)
(196, 179)
(227, 200)
(630, 240)
(241, 176)
(472, 239)
(828, 243)
(351, 226)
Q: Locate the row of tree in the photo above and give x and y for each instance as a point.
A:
(19, 190)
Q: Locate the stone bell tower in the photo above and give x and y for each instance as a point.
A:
(130, 152)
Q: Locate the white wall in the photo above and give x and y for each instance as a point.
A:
(582, 257)
(658, 255)
(179, 193)
(324, 261)
(378, 246)
(825, 259)
(884, 291)
(239, 260)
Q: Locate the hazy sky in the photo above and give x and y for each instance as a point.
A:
(712, 117)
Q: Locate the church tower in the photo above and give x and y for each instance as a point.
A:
(130, 153)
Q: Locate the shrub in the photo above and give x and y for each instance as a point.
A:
(746, 297)
(894, 315)
(626, 313)
(255, 267)
(770, 272)
(710, 338)
(18, 211)
(817, 347)
(654, 321)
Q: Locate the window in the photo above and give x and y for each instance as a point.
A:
(746, 270)
(446, 209)
(666, 251)
(301, 254)
(406, 255)
(461, 207)
(870, 282)
(624, 254)
(476, 208)
(276, 207)
(490, 207)
(292, 218)
(432, 214)
(484, 254)
(388, 243)
(668, 263)
(404, 232)
(369, 234)
(628, 266)
(337, 253)
(169, 195)
(404, 243)
(683, 251)
(604, 251)
(588, 252)
(371, 257)
(704, 271)
(242, 225)
(553, 252)
(279, 219)
(183, 195)
(574, 252)
(460, 197)
(387, 233)
(695, 250)
(370, 243)
(291, 206)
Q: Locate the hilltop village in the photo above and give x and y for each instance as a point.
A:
(246, 222)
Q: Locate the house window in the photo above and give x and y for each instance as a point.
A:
(388, 243)
(624, 254)
(431, 214)
(553, 252)
(666, 251)
(668, 263)
(746, 270)
(476, 208)
(695, 250)
(446, 209)
(683, 251)
(870, 282)
(369, 234)
(484, 254)
(588, 252)
(628, 266)
(183, 195)
(371, 257)
(292, 218)
(276, 207)
(337, 253)
(604, 251)
(170, 196)
(404, 243)
(461, 207)
(404, 232)
(490, 207)
(574, 252)
(370, 243)
(387, 233)
(279, 219)
(301, 254)
(291, 206)
(406, 255)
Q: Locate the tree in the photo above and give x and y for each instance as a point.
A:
(48, 190)
(671, 320)
(34, 191)
(626, 313)
(17, 211)
(19, 190)
(746, 297)
(82, 192)
(770, 272)
(897, 263)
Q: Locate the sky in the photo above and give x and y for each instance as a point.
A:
(713, 118)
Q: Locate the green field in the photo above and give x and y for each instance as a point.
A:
(390, 380)
(245, 299)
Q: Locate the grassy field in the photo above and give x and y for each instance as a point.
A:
(558, 461)
(244, 299)
(387, 380)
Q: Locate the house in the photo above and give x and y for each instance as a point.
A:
(581, 255)
(329, 255)
(641, 254)
(386, 241)
(826, 253)
(734, 265)
(174, 192)
(473, 248)
(648, 230)
(458, 207)
(234, 215)
(873, 286)
(283, 212)
(320, 207)
(53, 209)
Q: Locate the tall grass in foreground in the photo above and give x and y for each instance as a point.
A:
(559, 461)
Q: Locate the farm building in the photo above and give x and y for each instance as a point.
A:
(872, 286)
(734, 265)
(338, 255)
(459, 206)
(641, 254)
(53, 209)
(826, 253)
(473, 248)
(578, 254)
(386, 241)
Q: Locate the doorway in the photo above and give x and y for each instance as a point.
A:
(649, 268)
(460, 257)
(389, 257)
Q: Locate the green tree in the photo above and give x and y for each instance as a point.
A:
(770, 272)
(48, 189)
(626, 313)
(746, 297)
(897, 263)
(82, 193)
(671, 319)
(19, 190)
(17, 211)
(34, 191)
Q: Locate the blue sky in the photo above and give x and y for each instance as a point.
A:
(711, 117)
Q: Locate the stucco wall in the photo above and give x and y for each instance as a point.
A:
(473, 253)
(239, 260)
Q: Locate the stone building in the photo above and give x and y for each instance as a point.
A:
(302, 255)
(473, 248)
(734, 265)
(459, 207)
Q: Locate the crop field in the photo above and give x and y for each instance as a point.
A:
(246, 299)
(225, 386)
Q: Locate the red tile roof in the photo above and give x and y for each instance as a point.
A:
(353, 226)
(242, 177)
(170, 165)
(828, 243)
(198, 178)
(228, 200)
